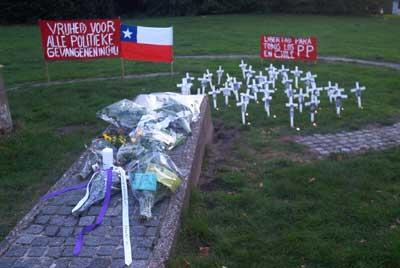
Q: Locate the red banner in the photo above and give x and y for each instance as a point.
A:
(288, 48)
(80, 39)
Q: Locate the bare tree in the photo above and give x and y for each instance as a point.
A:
(5, 116)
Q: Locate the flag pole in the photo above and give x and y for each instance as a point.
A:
(46, 68)
(172, 68)
(122, 68)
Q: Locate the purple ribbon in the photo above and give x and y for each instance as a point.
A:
(99, 219)
(64, 190)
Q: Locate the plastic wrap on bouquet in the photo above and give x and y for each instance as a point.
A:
(129, 152)
(96, 190)
(93, 161)
(154, 167)
(123, 114)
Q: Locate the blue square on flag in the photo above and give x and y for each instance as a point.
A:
(128, 33)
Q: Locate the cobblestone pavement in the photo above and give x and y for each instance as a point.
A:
(377, 138)
(45, 237)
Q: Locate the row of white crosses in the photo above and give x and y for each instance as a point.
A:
(260, 83)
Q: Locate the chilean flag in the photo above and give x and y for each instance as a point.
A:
(147, 43)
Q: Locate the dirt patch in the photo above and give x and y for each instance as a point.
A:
(217, 152)
(70, 129)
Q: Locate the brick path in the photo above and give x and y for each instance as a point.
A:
(377, 138)
(45, 237)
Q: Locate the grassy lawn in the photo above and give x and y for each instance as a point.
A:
(266, 203)
(360, 37)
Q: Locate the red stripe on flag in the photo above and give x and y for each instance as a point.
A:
(145, 52)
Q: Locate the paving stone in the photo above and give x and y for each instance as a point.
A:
(94, 211)
(56, 241)
(68, 252)
(40, 241)
(140, 253)
(93, 241)
(26, 263)
(62, 263)
(7, 262)
(79, 262)
(16, 251)
(138, 230)
(25, 239)
(151, 231)
(88, 251)
(57, 220)
(70, 221)
(87, 220)
(113, 241)
(66, 231)
(51, 230)
(36, 251)
(64, 210)
(70, 241)
(100, 263)
(49, 210)
(42, 219)
(105, 250)
(55, 252)
(34, 229)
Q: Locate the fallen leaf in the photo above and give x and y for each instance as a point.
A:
(187, 264)
(204, 251)
(398, 221)
(261, 185)
(393, 226)
(312, 179)
(363, 241)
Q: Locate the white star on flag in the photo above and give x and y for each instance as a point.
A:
(127, 33)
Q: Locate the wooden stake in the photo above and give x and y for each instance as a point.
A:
(46, 68)
(122, 68)
(172, 68)
(5, 116)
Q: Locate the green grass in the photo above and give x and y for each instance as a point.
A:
(360, 37)
(268, 206)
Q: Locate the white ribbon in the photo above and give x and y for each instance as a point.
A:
(85, 198)
(125, 217)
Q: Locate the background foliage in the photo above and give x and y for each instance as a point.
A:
(25, 11)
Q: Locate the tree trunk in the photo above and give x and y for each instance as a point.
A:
(5, 116)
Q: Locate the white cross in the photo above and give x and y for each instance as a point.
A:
(301, 97)
(313, 104)
(236, 88)
(209, 77)
(219, 74)
(273, 75)
(203, 82)
(254, 90)
(185, 87)
(243, 66)
(338, 96)
(297, 73)
(291, 105)
(189, 78)
(249, 74)
(314, 90)
(290, 91)
(329, 90)
(214, 94)
(358, 91)
(244, 101)
(267, 98)
(226, 90)
(261, 79)
(271, 68)
(229, 79)
(308, 79)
